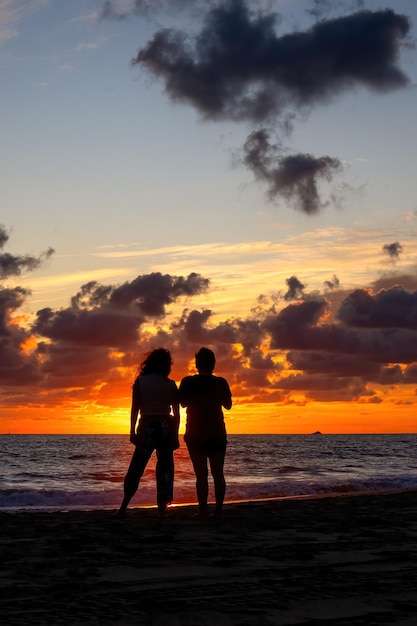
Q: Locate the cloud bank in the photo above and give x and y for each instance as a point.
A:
(350, 346)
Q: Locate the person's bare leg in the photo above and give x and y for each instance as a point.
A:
(199, 461)
(164, 478)
(137, 466)
(216, 466)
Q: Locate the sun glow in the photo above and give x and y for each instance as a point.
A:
(29, 345)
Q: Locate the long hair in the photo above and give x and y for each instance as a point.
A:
(156, 361)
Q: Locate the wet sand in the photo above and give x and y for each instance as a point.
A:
(333, 560)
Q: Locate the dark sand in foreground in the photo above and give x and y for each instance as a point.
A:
(335, 560)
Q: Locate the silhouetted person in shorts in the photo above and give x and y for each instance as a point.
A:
(154, 395)
(205, 395)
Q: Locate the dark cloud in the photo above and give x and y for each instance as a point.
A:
(294, 177)
(14, 265)
(4, 236)
(333, 365)
(112, 315)
(194, 328)
(239, 68)
(16, 366)
(11, 265)
(251, 336)
(303, 327)
(17, 369)
(313, 383)
(322, 8)
(72, 366)
(391, 375)
(19, 366)
(300, 315)
(388, 280)
(334, 283)
(319, 387)
(148, 294)
(10, 301)
(389, 308)
(295, 289)
(393, 250)
(260, 361)
(88, 328)
(410, 374)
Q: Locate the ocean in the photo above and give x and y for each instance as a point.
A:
(67, 472)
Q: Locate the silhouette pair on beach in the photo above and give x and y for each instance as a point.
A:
(156, 397)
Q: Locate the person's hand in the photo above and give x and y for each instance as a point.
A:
(133, 438)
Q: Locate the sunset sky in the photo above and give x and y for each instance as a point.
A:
(237, 174)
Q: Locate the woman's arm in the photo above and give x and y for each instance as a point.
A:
(134, 410)
(176, 414)
(176, 407)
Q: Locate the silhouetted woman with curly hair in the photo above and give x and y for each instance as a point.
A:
(155, 396)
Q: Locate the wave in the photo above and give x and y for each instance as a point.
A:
(61, 499)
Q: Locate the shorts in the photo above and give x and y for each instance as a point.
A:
(207, 445)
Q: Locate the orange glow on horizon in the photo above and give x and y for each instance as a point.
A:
(328, 418)
(104, 408)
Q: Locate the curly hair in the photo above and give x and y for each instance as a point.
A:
(156, 361)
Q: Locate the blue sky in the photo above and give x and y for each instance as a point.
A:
(96, 159)
(101, 163)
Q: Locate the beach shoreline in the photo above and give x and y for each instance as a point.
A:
(135, 506)
(346, 559)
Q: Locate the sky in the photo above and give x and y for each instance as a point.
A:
(236, 174)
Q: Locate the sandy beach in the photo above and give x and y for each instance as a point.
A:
(333, 560)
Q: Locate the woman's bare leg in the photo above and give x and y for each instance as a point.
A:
(216, 466)
(137, 466)
(164, 478)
